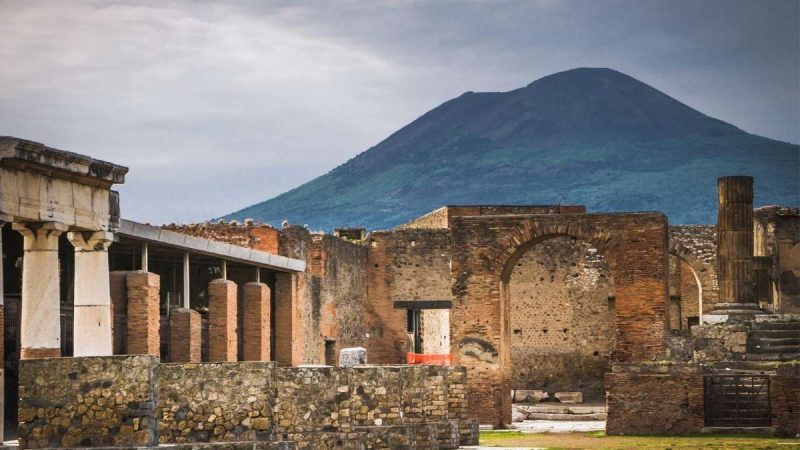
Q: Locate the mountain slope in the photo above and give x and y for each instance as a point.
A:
(585, 136)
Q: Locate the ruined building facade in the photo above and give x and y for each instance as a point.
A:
(547, 297)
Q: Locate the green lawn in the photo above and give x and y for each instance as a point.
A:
(598, 439)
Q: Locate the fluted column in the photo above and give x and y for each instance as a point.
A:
(93, 335)
(735, 239)
(40, 327)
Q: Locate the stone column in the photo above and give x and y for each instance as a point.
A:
(144, 319)
(735, 231)
(93, 335)
(40, 325)
(256, 322)
(184, 335)
(735, 245)
(222, 320)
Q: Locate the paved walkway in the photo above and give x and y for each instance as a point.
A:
(559, 426)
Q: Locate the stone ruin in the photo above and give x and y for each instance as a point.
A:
(243, 323)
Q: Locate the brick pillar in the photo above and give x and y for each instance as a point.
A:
(285, 309)
(184, 335)
(119, 310)
(256, 322)
(735, 235)
(144, 321)
(222, 338)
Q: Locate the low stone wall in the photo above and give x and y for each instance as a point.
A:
(87, 402)
(215, 402)
(132, 400)
(657, 400)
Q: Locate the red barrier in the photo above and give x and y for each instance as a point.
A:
(432, 360)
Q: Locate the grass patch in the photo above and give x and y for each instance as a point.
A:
(599, 440)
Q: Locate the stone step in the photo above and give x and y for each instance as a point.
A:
(562, 409)
(766, 341)
(773, 356)
(566, 417)
(774, 349)
(739, 430)
(773, 326)
(774, 334)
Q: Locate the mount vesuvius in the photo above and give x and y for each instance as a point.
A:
(585, 136)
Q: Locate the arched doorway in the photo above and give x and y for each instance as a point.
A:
(562, 318)
(685, 294)
(487, 248)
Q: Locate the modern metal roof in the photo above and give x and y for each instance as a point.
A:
(222, 250)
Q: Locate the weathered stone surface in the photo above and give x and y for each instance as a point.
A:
(210, 402)
(351, 357)
(87, 402)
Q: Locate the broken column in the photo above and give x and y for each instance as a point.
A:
(735, 246)
(92, 330)
(256, 322)
(40, 325)
(144, 319)
(222, 320)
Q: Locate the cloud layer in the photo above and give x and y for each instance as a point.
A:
(215, 106)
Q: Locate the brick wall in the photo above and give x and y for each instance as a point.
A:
(485, 250)
(118, 282)
(339, 300)
(184, 335)
(409, 264)
(785, 400)
(222, 320)
(776, 232)
(696, 245)
(256, 322)
(647, 403)
(143, 321)
(251, 235)
(562, 326)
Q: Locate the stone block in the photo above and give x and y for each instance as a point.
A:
(569, 397)
(351, 357)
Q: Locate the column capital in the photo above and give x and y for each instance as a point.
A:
(91, 241)
(40, 235)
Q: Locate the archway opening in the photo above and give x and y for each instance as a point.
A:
(560, 316)
(685, 294)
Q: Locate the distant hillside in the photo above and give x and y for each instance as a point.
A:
(585, 136)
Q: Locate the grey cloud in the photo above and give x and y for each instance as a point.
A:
(219, 105)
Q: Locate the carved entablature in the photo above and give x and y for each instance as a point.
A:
(43, 184)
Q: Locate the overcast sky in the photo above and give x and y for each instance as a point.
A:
(218, 106)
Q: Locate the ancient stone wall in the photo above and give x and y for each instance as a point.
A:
(251, 235)
(696, 245)
(403, 265)
(215, 402)
(654, 403)
(784, 395)
(562, 318)
(777, 235)
(441, 217)
(339, 302)
(486, 249)
(88, 402)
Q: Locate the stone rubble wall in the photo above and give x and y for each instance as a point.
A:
(135, 401)
(88, 402)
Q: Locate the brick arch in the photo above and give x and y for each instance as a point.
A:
(705, 274)
(485, 249)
